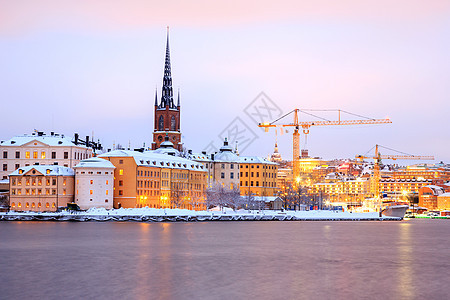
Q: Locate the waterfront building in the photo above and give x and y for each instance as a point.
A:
(222, 166)
(443, 202)
(397, 188)
(156, 180)
(167, 114)
(40, 149)
(94, 183)
(41, 188)
(258, 176)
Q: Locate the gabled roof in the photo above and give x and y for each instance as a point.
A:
(46, 170)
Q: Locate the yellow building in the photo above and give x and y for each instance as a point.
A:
(443, 201)
(396, 188)
(156, 180)
(41, 188)
(258, 176)
(349, 191)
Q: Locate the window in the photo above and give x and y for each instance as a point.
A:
(223, 166)
(231, 166)
(5, 167)
(27, 154)
(5, 154)
(43, 155)
(231, 175)
(121, 172)
(120, 192)
(107, 192)
(91, 192)
(107, 182)
(121, 161)
(66, 155)
(222, 175)
(17, 154)
(53, 181)
(64, 192)
(106, 200)
(53, 155)
(64, 181)
(53, 192)
(120, 182)
(17, 166)
(251, 174)
(173, 124)
(161, 123)
(92, 181)
(35, 154)
(47, 205)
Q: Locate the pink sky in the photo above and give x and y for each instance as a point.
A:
(93, 66)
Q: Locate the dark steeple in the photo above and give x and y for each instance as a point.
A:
(178, 104)
(156, 97)
(167, 91)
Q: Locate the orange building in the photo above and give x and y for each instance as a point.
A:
(156, 180)
(258, 176)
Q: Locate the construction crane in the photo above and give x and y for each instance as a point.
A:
(308, 124)
(378, 157)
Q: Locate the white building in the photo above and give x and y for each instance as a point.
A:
(222, 166)
(39, 149)
(94, 183)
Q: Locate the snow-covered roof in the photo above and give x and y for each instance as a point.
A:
(437, 190)
(226, 156)
(152, 159)
(95, 162)
(444, 195)
(46, 170)
(167, 151)
(51, 140)
(255, 160)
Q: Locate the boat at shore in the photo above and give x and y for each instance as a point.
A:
(395, 210)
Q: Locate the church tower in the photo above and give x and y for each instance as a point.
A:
(167, 114)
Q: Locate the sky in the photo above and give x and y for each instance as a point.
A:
(93, 67)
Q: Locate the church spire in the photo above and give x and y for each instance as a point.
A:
(156, 97)
(178, 102)
(167, 91)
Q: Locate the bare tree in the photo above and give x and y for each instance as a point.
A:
(176, 195)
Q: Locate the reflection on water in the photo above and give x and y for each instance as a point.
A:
(268, 260)
(405, 261)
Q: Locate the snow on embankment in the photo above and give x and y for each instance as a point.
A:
(183, 215)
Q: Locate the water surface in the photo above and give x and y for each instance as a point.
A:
(219, 260)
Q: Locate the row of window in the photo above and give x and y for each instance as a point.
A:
(256, 183)
(145, 184)
(91, 173)
(17, 166)
(34, 192)
(269, 175)
(148, 173)
(257, 167)
(36, 181)
(35, 155)
(33, 205)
